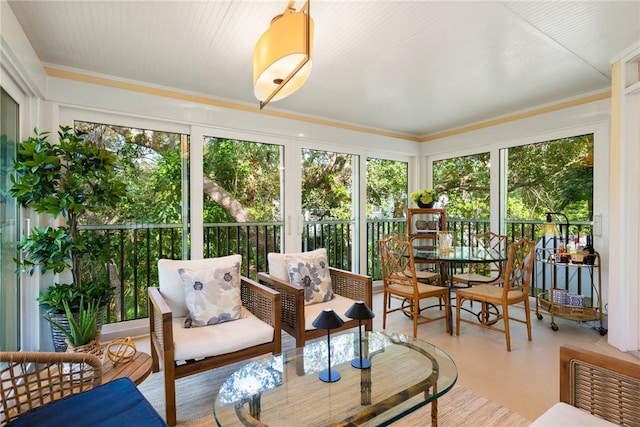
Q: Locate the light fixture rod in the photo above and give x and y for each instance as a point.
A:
(307, 57)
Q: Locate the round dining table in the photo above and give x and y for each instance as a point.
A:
(448, 257)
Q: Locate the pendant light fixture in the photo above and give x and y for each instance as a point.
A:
(282, 56)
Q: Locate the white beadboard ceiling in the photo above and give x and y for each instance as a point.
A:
(410, 67)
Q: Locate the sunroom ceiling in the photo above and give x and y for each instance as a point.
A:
(410, 67)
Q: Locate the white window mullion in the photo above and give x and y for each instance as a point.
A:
(292, 200)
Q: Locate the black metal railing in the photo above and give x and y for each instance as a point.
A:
(137, 248)
(335, 236)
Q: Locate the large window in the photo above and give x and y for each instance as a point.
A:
(465, 181)
(531, 179)
(242, 200)
(328, 195)
(551, 176)
(9, 286)
(151, 220)
(387, 190)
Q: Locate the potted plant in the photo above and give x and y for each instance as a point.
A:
(82, 333)
(425, 198)
(66, 180)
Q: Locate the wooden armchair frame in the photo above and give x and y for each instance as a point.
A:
(605, 386)
(29, 380)
(344, 283)
(263, 302)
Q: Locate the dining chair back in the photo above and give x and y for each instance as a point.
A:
(481, 273)
(401, 282)
(495, 299)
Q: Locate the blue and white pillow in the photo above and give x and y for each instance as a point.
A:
(212, 296)
(312, 274)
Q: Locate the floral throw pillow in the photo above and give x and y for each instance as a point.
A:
(212, 296)
(312, 273)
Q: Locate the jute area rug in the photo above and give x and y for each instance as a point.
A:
(196, 395)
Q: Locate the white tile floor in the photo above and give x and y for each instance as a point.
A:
(524, 380)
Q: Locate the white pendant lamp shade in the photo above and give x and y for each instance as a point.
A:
(283, 52)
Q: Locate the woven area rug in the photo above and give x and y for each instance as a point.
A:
(459, 407)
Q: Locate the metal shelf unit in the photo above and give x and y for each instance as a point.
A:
(558, 302)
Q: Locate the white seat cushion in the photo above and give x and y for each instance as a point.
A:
(339, 304)
(213, 340)
(562, 414)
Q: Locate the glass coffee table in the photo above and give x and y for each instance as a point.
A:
(284, 390)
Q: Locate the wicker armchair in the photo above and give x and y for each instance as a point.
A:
(602, 385)
(296, 317)
(182, 352)
(594, 387)
(31, 380)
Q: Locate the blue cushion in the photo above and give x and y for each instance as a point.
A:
(117, 403)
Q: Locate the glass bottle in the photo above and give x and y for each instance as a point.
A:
(590, 257)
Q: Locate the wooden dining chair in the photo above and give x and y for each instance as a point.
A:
(482, 273)
(495, 299)
(400, 281)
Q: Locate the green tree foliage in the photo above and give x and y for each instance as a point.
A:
(249, 172)
(150, 166)
(548, 176)
(327, 184)
(552, 176)
(387, 183)
(465, 181)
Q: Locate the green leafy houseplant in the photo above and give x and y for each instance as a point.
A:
(67, 181)
(424, 196)
(83, 330)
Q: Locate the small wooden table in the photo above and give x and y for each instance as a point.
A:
(138, 369)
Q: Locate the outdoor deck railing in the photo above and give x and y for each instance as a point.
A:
(137, 248)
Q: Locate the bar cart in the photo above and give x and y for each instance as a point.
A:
(557, 301)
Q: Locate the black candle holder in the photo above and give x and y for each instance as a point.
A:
(328, 319)
(359, 310)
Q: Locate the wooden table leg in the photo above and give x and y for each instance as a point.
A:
(434, 413)
(445, 282)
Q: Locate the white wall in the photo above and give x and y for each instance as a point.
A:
(624, 227)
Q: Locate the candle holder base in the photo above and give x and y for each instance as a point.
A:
(329, 376)
(361, 363)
